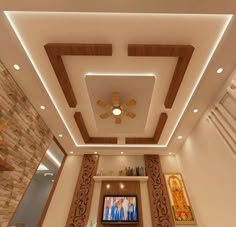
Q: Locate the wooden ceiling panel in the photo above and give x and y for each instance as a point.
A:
(184, 54)
(84, 133)
(156, 137)
(55, 51)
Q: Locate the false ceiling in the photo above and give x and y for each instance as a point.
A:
(157, 59)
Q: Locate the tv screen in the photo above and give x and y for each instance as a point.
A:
(120, 209)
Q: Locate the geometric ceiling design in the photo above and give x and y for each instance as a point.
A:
(156, 59)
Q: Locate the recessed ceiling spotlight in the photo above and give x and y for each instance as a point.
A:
(220, 70)
(180, 137)
(42, 107)
(170, 153)
(95, 152)
(122, 152)
(122, 186)
(108, 186)
(71, 152)
(16, 67)
(195, 110)
(53, 181)
(116, 111)
(60, 135)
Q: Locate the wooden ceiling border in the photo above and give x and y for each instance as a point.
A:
(55, 51)
(151, 140)
(184, 54)
(160, 126)
(84, 133)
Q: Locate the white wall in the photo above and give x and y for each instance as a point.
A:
(58, 210)
(209, 171)
(116, 163)
(60, 204)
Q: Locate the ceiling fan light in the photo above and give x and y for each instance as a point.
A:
(116, 111)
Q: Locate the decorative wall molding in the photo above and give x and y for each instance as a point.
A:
(81, 202)
(158, 195)
(25, 141)
(223, 117)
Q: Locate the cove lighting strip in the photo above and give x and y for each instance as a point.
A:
(227, 21)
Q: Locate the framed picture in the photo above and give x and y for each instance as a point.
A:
(180, 205)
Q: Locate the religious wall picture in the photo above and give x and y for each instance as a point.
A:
(180, 205)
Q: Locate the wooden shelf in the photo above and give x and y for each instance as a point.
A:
(4, 166)
(120, 178)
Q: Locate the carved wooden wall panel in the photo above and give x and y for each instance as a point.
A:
(159, 200)
(81, 202)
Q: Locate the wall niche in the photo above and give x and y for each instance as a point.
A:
(120, 188)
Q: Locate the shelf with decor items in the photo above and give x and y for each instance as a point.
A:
(120, 178)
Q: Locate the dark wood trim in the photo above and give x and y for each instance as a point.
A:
(184, 54)
(85, 135)
(160, 126)
(4, 166)
(45, 210)
(82, 198)
(55, 51)
(82, 127)
(151, 140)
(102, 140)
(59, 145)
(138, 140)
(158, 195)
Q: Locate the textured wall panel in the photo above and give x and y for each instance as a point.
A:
(159, 200)
(24, 142)
(81, 202)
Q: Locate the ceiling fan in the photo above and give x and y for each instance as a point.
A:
(116, 108)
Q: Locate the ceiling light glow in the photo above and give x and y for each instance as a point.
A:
(95, 152)
(42, 107)
(42, 167)
(170, 153)
(195, 110)
(122, 152)
(16, 67)
(71, 152)
(220, 70)
(164, 145)
(119, 74)
(116, 111)
(48, 174)
(53, 158)
(180, 137)
(60, 135)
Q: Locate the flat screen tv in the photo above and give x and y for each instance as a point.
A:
(120, 209)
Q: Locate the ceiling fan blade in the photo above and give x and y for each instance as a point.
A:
(130, 102)
(103, 104)
(116, 98)
(118, 120)
(105, 115)
(129, 114)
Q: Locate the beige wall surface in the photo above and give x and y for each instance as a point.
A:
(209, 171)
(60, 204)
(61, 201)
